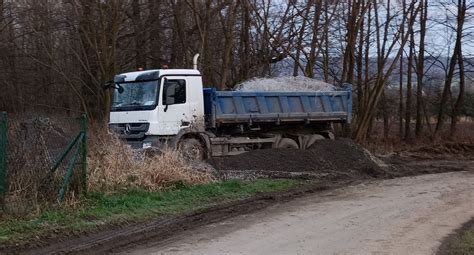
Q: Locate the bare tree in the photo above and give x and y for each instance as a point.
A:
(364, 120)
(356, 13)
(228, 23)
(408, 106)
(455, 59)
(420, 68)
(69, 49)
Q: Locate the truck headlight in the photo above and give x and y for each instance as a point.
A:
(146, 145)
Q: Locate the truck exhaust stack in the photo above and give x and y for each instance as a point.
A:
(195, 61)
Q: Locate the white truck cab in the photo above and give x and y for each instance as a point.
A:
(150, 106)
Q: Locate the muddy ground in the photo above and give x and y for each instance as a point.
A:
(329, 165)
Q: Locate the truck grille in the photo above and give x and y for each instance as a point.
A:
(130, 131)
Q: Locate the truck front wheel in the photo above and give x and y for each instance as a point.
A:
(192, 148)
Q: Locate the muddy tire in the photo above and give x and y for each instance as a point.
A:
(287, 143)
(330, 135)
(192, 148)
(314, 139)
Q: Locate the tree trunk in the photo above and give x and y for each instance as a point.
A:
(460, 100)
(421, 69)
(360, 67)
(409, 88)
(452, 65)
(229, 21)
(385, 116)
(301, 33)
(244, 47)
(356, 12)
(313, 54)
(155, 33)
(400, 101)
(326, 43)
(363, 122)
(140, 60)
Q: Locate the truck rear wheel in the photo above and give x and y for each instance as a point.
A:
(192, 148)
(313, 139)
(287, 143)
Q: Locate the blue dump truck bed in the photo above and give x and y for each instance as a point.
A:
(237, 107)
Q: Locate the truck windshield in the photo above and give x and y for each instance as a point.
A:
(136, 96)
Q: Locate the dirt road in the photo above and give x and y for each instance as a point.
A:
(408, 215)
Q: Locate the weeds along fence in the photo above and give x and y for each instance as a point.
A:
(43, 160)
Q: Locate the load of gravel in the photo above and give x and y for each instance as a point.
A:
(286, 83)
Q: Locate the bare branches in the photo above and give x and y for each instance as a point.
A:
(68, 49)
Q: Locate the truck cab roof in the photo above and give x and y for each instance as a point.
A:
(153, 74)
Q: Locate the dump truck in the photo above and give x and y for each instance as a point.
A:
(170, 107)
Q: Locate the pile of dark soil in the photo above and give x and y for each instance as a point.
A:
(327, 158)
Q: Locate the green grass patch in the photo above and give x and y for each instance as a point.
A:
(462, 243)
(99, 209)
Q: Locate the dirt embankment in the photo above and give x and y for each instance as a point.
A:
(437, 158)
(327, 159)
(343, 159)
(441, 151)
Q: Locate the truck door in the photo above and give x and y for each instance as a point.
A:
(174, 108)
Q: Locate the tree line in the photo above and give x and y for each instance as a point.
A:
(406, 60)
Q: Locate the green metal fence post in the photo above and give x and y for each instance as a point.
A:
(66, 152)
(3, 155)
(70, 169)
(84, 152)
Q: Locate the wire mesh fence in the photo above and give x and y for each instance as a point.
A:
(45, 160)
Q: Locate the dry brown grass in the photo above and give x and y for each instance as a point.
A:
(113, 165)
(34, 145)
(30, 155)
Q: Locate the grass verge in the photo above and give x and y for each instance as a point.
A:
(460, 243)
(100, 209)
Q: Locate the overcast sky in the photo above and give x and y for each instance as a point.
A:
(439, 37)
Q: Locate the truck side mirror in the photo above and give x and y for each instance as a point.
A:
(119, 88)
(112, 84)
